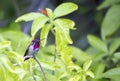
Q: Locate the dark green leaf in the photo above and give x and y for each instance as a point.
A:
(111, 22)
(117, 55)
(112, 73)
(99, 69)
(108, 3)
(97, 43)
(114, 45)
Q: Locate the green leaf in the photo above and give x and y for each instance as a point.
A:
(7, 64)
(49, 65)
(37, 24)
(5, 44)
(90, 73)
(87, 64)
(63, 31)
(99, 69)
(44, 33)
(75, 78)
(2, 38)
(50, 13)
(21, 73)
(114, 45)
(111, 22)
(51, 78)
(76, 52)
(67, 23)
(117, 55)
(75, 67)
(61, 46)
(28, 17)
(107, 3)
(18, 44)
(97, 43)
(65, 9)
(113, 73)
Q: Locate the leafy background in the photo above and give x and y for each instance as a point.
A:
(98, 61)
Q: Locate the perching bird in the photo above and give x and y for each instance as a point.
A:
(32, 49)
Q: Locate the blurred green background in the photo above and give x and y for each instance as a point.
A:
(97, 37)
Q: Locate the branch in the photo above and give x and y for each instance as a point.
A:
(16, 7)
(54, 57)
(41, 68)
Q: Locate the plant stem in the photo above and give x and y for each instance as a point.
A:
(54, 57)
(41, 68)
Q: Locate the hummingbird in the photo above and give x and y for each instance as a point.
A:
(32, 49)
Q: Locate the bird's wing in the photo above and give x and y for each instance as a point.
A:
(26, 52)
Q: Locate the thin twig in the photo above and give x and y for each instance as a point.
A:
(41, 68)
(16, 7)
(54, 57)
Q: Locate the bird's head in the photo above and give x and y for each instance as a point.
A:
(35, 43)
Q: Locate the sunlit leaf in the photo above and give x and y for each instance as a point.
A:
(50, 13)
(61, 46)
(72, 67)
(44, 33)
(90, 73)
(5, 44)
(52, 77)
(65, 9)
(75, 78)
(20, 72)
(7, 64)
(63, 75)
(37, 24)
(19, 40)
(49, 65)
(28, 17)
(2, 38)
(67, 23)
(63, 31)
(87, 65)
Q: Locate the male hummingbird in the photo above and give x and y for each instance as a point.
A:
(32, 49)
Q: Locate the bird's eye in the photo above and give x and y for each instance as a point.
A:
(32, 43)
